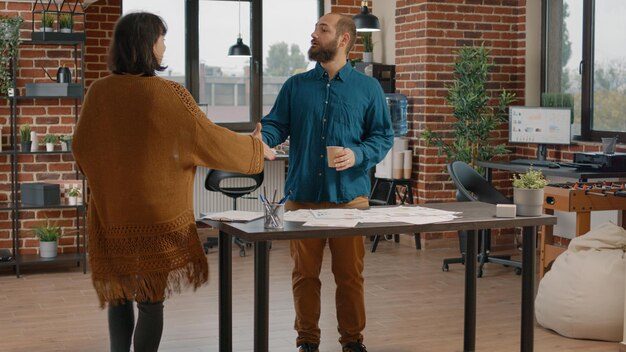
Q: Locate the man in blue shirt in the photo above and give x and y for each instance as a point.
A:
(330, 105)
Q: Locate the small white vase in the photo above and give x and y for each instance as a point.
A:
(65, 30)
(47, 29)
(48, 249)
(528, 202)
(368, 56)
(50, 147)
(35, 142)
(72, 200)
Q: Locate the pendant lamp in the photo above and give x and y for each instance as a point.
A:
(365, 21)
(239, 49)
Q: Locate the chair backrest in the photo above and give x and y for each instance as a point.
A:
(245, 184)
(472, 186)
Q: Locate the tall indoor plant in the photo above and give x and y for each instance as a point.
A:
(476, 117)
(9, 42)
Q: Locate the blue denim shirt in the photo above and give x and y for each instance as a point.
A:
(350, 111)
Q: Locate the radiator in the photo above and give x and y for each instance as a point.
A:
(205, 201)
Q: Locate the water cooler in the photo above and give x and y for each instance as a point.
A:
(397, 164)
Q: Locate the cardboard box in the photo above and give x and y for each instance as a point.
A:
(40, 194)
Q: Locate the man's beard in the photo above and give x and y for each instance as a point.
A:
(323, 54)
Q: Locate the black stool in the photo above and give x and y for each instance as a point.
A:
(384, 192)
(246, 185)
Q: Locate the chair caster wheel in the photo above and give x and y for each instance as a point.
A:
(242, 253)
(445, 267)
(518, 271)
(480, 273)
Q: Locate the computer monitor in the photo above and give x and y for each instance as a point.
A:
(539, 125)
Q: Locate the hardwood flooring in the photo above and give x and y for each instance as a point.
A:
(412, 306)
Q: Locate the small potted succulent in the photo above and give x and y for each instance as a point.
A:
(73, 193)
(48, 235)
(47, 22)
(50, 140)
(368, 47)
(528, 192)
(66, 23)
(25, 134)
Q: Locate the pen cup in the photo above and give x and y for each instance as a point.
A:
(274, 216)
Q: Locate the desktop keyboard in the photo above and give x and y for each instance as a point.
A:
(539, 163)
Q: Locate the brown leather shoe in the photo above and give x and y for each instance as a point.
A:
(354, 347)
(308, 347)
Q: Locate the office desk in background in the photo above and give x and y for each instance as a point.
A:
(476, 216)
(563, 171)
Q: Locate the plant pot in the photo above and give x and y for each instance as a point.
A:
(368, 57)
(528, 202)
(26, 146)
(72, 200)
(50, 147)
(65, 30)
(48, 249)
(47, 29)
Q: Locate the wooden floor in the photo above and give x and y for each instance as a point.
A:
(412, 306)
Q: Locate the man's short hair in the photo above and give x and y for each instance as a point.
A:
(345, 24)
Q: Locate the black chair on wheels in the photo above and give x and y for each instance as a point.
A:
(235, 186)
(472, 187)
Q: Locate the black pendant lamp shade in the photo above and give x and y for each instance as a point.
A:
(239, 49)
(365, 21)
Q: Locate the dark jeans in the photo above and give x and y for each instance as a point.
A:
(148, 330)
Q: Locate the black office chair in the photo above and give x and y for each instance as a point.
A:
(245, 184)
(472, 187)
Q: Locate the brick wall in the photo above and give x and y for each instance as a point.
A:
(56, 116)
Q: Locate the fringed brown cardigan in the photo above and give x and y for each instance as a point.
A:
(138, 141)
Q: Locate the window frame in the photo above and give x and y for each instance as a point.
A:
(587, 132)
(192, 58)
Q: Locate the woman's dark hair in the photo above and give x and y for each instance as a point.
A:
(134, 37)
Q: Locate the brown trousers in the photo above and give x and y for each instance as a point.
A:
(347, 266)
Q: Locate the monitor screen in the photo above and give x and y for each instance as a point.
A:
(539, 125)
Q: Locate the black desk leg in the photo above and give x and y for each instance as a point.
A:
(469, 331)
(261, 296)
(226, 292)
(528, 288)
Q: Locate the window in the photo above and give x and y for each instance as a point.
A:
(583, 58)
(228, 89)
(173, 13)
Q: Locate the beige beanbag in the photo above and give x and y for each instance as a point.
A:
(582, 296)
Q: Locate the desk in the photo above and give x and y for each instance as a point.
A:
(476, 216)
(563, 171)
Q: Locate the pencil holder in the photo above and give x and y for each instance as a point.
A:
(274, 216)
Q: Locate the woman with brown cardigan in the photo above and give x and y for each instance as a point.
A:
(138, 141)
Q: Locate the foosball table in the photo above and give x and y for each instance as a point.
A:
(581, 198)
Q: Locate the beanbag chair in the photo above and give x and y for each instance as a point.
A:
(582, 296)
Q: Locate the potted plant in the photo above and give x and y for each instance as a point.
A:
(528, 192)
(48, 236)
(25, 134)
(50, 140)
(72, 195)
(476, 118)
(368, 47)
(9, 42)
(66, 23)
(66, 143)
(47, 22)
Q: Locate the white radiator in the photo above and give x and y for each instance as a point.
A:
(205, 201)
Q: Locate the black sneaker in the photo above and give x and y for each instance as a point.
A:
(354, 347)
(308, 347)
